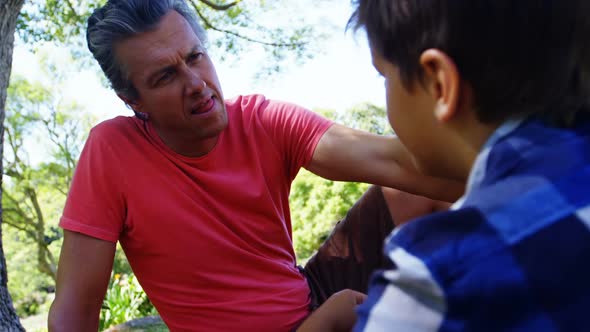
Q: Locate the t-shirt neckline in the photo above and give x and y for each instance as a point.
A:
(153, 135)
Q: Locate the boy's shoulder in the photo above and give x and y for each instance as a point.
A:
(518, 239)
(495, 278)
(462, 239)
(532, 177)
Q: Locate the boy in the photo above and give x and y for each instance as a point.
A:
(495, 93)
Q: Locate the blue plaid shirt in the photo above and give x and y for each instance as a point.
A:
(512, 254)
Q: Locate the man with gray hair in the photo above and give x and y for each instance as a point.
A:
(195, 188)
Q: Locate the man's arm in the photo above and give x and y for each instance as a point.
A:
(336, 314)
(345, 154)
(83, 274)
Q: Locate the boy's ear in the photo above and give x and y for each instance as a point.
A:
(132, 104)
(442, 81)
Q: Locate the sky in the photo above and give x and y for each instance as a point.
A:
(338, 78)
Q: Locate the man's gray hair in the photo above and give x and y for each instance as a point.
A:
(121, 19)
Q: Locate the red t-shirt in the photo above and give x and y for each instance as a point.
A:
(208, 238)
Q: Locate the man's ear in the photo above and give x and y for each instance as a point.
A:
(443, 81)
(134, 105)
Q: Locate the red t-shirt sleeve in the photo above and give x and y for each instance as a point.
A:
(295, 130)
(95, 204)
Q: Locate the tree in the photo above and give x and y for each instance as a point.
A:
(365, 116)
(234, 25)
(9, 10)
(35, 109)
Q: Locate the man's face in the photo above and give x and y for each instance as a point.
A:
(411, 115)
(176, 81)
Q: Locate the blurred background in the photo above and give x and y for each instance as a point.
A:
(296, 51)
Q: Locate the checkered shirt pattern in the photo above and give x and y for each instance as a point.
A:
(512, 255)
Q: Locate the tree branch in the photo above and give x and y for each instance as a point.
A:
(62, 191)
(14, 145)
(45, 266)
(32, 194)
(219, 7)
(51, 259)
(8, 222)
(63, 147)
(209, 25)
(71, 6)
(17, 208)
(45, 260)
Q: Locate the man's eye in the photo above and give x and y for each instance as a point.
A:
(165, 77)
(195, 56)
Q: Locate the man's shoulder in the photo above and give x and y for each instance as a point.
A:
(257, 102)
(245, 102)
(115, 126)
(117, 134)
(258, 111)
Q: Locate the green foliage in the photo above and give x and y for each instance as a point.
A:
(317, 204)
(120, 263)
(366, 116)
(56, 20)
(34, 191)
(234, 28)
(43, 137)
(124, 301)
(251, 27)
(28, 287)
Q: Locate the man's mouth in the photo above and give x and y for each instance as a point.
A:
(204, 107)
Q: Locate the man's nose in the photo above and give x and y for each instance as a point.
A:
(194, 83)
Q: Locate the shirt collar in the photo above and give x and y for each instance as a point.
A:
(478, 170)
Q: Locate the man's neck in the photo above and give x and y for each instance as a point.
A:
(190, 147)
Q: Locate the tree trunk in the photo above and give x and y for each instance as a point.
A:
(9, 10)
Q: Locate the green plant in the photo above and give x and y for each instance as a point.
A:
(125, 300)
(29, 288)
(316, 206)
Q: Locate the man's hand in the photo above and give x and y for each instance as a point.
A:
(336, 314)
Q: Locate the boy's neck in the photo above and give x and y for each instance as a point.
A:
(471, 137)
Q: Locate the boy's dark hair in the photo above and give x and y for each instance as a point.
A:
(519, 56)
